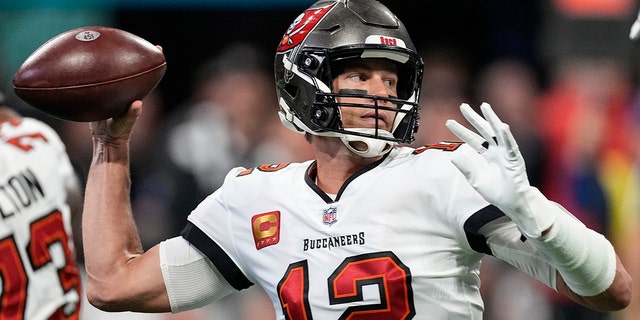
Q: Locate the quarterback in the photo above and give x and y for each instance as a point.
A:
(369, 229)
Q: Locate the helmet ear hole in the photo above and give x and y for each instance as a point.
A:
(319, 115)
(312, 64)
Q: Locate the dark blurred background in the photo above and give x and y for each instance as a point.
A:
(192, 30)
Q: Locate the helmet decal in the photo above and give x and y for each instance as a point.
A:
(301, 26)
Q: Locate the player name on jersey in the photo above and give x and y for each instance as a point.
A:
(19, 191)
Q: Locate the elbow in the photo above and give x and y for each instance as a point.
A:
(100, 297)
(617, 297)
(621, 298)
(620, 304)
(96, 301)
(614, 303)
(608, 301)
(619, 294)
(621, 290)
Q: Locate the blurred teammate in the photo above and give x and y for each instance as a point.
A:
(39, 193)
(367, 230)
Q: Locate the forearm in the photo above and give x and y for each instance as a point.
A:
(120, 276)
(109, 234)
(589, 270)
(542, 261)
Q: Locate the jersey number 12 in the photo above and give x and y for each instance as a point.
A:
(382, 269)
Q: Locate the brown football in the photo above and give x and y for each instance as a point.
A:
(90, 73)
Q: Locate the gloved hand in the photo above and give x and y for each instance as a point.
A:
(495, 168)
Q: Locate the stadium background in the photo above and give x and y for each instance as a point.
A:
(192, 30)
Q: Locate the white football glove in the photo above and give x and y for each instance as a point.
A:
(496, 170)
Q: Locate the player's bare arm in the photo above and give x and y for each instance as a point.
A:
(589, 271)
(120, 275)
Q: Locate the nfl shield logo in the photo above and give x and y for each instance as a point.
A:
(330, 215)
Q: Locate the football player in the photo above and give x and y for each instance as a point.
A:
(39, 193)
(369, 229)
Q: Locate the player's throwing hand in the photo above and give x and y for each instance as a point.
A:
(117, 128)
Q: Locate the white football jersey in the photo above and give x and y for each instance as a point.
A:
(400, 240)
(38, 272)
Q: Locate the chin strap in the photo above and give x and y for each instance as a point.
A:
(368, 147)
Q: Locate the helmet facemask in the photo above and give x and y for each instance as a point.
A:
(327, 116)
